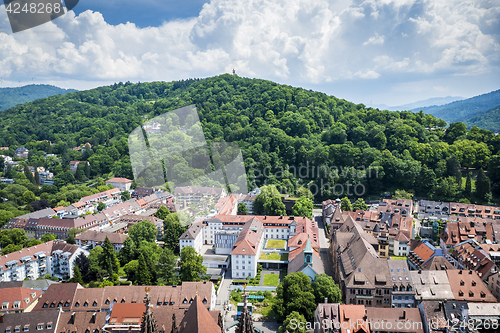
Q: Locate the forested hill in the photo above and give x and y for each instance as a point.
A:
(13, 96)
(469, 111)
(275, 125)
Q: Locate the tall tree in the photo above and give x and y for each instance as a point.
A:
(294, 323)
(359, 204)
(165, 268)
(83, 264)
(172, 231)
(483, 186)
(303, 207)
(162, 212)
(268, 202)
(468, 186)
(125, 195)
(191, 265)
(242, 209)
(127, 252)
(345, 204)
(325, 288)
(295, 293)
(453, 169)
(77, 275)
(143, 272)
(108, 260)
(37, 177)
(143, 231)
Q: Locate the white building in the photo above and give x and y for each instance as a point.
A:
(54, 258)
(193, 237)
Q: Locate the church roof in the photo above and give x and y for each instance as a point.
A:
(198, 319)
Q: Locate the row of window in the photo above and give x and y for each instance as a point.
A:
(26, 328)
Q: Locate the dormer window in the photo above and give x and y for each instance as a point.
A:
(94, 304)
(107, 302)
(59, 305)
(52, 305)
(77, 304)
(473, 283)
(66, 304)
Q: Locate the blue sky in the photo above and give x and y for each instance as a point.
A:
(374, 52)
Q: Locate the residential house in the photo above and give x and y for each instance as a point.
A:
(361, 273)
(248, 201)
(190, 195)
(21, 152)
(468, 286)
(92, 238)
(353, 319)
(54, 258)
(494, 285)
(394, 320)
(431, 286)
(471, 256)
(326, 318)
(39, 322)
(403, 294)
(123, 184)
(193, 237)
(18, 299)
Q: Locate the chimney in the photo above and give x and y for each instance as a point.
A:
(326, 299)
(404, 314)
(460, 272)
(1, 318)
(366, 314)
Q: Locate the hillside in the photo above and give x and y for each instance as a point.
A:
(489, 120)
(467, 109)
(420, 104)
(289, 136)
(13, 96)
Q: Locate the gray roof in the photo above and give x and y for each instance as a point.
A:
(297, 264)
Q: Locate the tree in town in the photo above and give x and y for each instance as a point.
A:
(359, 204)
(48, 237)
(172, 231)
(468, 186)
(36, 180)
(325, 288)
(125, 195)
(483, 186)
(303, 207)
(77, 275)
(453, 169)
(242, 209)
(294, 323)
(191, 265)
(345, 204)
(162, 212)
(28, 197)
(131, 269)
(143, 231)
(101, 206)
(83, 264)
(295, 293)
(402, 194)
(268, 202)
(143, 271)
(29, 175)
(108, 260)
(127, 252)
(445, 190)
(165, 268)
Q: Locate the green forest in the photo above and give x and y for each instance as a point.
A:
(290, 137)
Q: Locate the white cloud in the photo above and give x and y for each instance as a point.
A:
(375, 40)
(294, 41)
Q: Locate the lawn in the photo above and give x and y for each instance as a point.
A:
(274, 256)
(271, 279)
(276, 244)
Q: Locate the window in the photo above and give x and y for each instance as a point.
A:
(45, 305)
(7, 330)
(66, 304)
(59, 304)
(49, 326)
(77, 304)
(17, 329)
(94, 304)
(39, 327)
(26, 328)
(52, 305)
(107, 302)
(85, 304)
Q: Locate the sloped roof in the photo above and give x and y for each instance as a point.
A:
(198, 320)
(18, 294)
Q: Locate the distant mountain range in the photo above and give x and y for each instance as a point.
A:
(481, 111)
(10, 97)
(420, 104)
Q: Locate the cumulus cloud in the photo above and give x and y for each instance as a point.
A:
(285, 40)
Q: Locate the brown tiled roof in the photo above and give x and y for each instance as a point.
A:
(198, 319)
(437, 263)
(119, 180)
(99, 236)
(467, 285)
(81, 321)
(24, 296)
(47, 320)
(57, 294)
(249, 238)
(355, 315)
(423, 251)
(406, 320)
(123, 313)
(88, 299)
